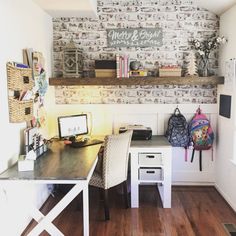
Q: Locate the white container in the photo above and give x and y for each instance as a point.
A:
(24, 164)
(150, 158)
(153, 174)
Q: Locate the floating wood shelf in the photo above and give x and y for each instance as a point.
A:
(213, 80)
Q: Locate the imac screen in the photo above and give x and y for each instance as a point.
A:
(73, 125)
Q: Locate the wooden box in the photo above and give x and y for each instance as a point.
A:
(170, 72)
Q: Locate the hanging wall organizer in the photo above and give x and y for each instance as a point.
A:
(20, 97)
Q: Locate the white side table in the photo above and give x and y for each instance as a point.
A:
(151, 163)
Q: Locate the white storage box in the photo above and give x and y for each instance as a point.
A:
(24, 164)
(153, 174)
(150, 158)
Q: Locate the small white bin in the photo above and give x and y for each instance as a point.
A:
(154, 174)
(24, 164)
(150, 158)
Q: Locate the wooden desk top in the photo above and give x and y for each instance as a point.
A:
(156, 141)
(60, 162)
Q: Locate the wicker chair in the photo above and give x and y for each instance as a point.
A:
(114, 166)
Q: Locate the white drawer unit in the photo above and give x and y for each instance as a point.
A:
(150, 159)
(150, 164)
(153, 174)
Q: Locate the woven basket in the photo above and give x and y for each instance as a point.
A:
(19, 78)
(20, 111)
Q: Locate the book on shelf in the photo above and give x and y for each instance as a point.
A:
(138, 73)
(105, 64)
(105, 68)
(122, 66)
(100, 73)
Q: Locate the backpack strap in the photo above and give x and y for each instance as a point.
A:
(200, 160)
(212, 156)
(192, 155)
(185, 153)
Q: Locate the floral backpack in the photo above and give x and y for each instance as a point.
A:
(201, 134)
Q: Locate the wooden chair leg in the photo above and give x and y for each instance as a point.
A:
(106, 205)
(101, 194)
(126, 195)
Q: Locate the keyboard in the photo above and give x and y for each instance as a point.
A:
(85, 143)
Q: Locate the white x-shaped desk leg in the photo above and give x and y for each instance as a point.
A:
(45, 222)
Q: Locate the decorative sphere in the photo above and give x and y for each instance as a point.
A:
(134, 65)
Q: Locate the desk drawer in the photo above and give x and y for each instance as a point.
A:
(154, 174)
(150, 158)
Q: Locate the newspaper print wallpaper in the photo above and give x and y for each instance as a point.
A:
(160, 94)
(180, 21)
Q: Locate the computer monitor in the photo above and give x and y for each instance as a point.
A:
(72, 125)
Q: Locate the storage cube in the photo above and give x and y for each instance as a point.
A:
(153, 174)
(150, 158)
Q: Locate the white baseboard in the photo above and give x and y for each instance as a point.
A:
(182, 183)
(193, 176)
(226, 197)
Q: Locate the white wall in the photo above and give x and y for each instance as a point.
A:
(23, 25)
(107, 118)
(226, 160)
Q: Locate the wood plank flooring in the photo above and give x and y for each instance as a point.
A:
(196, 211)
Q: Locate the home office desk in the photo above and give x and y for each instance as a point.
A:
(151, 164)
(61, 164)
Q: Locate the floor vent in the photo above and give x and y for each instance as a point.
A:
(230, 229)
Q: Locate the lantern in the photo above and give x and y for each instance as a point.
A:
(72, 60)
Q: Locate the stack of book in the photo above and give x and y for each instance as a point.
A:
(122, 66)
(105, 68)
(138, 73)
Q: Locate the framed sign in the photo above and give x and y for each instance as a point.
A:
(136, 37)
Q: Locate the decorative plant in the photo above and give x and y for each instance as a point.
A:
(205, 47)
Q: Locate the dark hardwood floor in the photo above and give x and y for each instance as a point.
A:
(196, 211)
